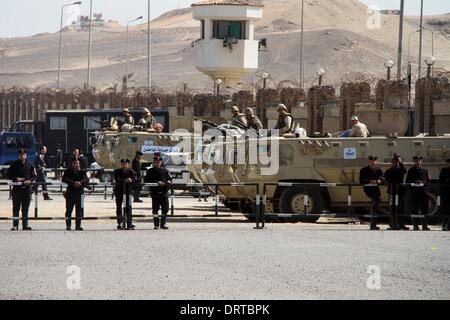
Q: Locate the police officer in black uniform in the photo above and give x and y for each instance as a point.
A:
(444, 179)
(23, 172)
(76, 181)
(395, 176)
(372, 174)
(419, 176)
(137, 167)
(124, 178)
(40, 164)
(160, 194)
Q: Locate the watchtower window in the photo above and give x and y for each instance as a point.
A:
(229, 29)
(202, 31)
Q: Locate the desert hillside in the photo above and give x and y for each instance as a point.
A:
(337, 38)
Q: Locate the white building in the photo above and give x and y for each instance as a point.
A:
(227, 49)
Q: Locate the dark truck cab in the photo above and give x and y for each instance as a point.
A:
(10, 142)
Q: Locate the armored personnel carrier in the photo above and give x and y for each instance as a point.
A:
(325, 160)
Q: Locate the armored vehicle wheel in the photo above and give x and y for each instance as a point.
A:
(432, 209)
(292, 201)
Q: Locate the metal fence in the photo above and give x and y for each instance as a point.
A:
(103, 188)
(394, 202)
(259, 202)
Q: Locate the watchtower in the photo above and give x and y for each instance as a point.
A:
(227, 49)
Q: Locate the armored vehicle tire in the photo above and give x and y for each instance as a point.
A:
(248, 211)
(292, 202)
(432, 209)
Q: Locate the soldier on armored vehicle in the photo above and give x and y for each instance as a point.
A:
(253, 121)
(285, 122)
(358, 130)
(147, 121)
(238, 119)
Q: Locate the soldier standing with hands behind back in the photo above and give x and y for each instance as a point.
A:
(395, 176)
(76, 180)
(137, 168)
(444, 179)
(160, 194)
(124, 178)
(372, 175)
(420, 177)
(22, 172)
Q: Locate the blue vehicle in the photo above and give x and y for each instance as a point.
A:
(10, 142)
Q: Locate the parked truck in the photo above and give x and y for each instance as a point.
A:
(10, 142)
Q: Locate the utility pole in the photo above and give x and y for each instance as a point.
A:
(149, 71)
(421, 39)
(88, 82)
(400, 40)
(302, 71)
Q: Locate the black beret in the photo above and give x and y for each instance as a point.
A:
(373, 157)
(124, 161)
(417, 158)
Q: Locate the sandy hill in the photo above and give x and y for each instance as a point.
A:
(338, 38)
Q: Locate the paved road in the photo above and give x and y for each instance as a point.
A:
(219, 261)
(224, 261)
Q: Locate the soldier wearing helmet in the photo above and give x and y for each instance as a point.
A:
(128, 118)
(147, 121)
(253, 121)
(285, 122)
(238, 119)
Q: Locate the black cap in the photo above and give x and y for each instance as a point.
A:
(417, 158)
(124, 161)
(21, 151)
(372, 157)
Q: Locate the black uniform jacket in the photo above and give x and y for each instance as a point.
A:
(444, 179)
(368, 174)
(137, 167)
(71, 176)
(395, 175)
(17, 169)
(40, 163)
(156, 175)
(120, 176)
(417, 175)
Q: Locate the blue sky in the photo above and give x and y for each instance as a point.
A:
(28, 17)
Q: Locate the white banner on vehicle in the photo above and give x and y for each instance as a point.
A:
(147, 149)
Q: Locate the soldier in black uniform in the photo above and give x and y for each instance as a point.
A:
(21, 171)
(395, 176)
(372, 174)
(160, 194)
(444, 179)
(76, 181)
(137, 167)
(124, 178)
(40, 164)
(419, 175)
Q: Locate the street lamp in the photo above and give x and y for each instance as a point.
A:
(126, 54)
(264, 76)
(389, 65)
(302, 71)
(430, 63)
(320, 73)
(60, 40)
(218, 83)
